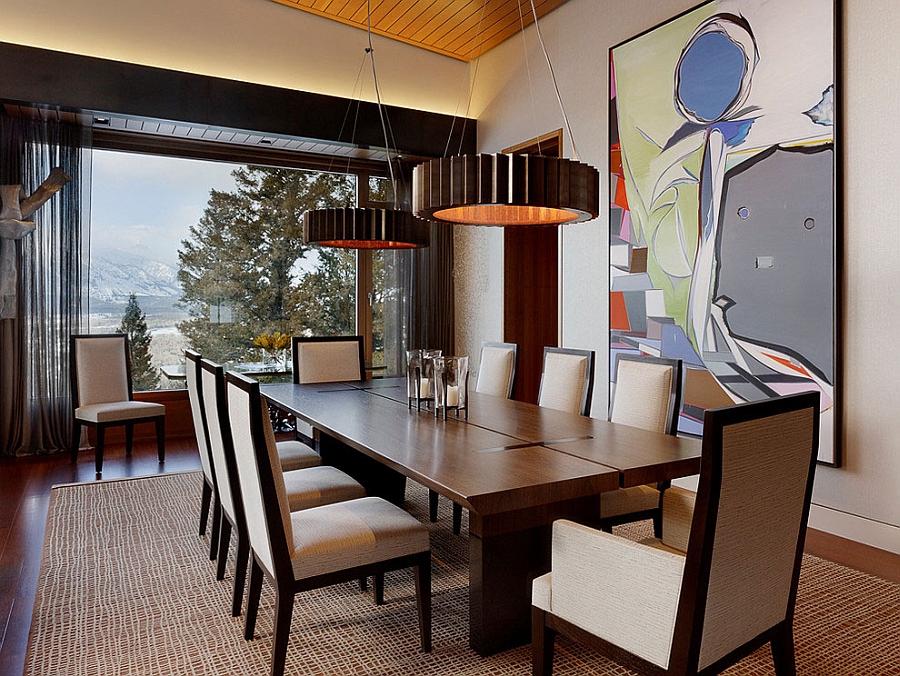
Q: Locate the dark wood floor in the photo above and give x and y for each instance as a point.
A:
(25, 495)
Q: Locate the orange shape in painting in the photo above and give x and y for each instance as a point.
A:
(618, 313)
(621, 197)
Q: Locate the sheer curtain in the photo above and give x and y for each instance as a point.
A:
(35, 406)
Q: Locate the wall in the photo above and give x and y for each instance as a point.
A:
(861, 500)
(250, 40)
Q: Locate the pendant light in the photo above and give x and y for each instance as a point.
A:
(366, 227)
(507, 189)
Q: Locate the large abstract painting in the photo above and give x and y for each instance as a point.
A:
(723, 238)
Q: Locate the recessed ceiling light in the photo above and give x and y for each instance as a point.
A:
(266, 141)
(101, 120)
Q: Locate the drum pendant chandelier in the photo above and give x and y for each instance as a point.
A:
(507, 189)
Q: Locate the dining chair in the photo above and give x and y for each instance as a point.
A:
(722, 581)
(647, 394)
(567, 380)
(304, 488)
(102, 393)
(300, 551)
(210, 494)
(496, 377)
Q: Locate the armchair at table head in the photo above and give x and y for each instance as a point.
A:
(647, 395)
(567, 380)
(497, 369)
(734, 588)
(102, 393)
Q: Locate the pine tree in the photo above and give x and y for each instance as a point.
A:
(134, 324)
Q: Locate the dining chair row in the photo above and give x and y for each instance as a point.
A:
(301, 529)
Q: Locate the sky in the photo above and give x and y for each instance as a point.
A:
(145, 204)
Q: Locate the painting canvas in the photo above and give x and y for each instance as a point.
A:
(723, 234)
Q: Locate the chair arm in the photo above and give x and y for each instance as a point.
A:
(677, 514)
(617, 589)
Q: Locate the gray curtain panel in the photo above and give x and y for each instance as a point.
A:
(52, 271)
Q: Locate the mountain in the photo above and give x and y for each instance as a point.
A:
(116, 273)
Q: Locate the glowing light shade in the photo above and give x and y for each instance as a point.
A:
(351, 228)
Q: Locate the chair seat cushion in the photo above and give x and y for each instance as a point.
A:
(354, 533)
(119, 411)
(628, 500)
(296, 455)
(316, 486)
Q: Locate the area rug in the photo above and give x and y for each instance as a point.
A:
(126, 587)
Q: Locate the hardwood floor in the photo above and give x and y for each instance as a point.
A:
(25, 495)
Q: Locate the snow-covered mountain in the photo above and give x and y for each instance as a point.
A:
(115, 274)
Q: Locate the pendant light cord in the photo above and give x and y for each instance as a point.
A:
(370, 50)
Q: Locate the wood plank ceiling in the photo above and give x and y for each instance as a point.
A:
(462, 29)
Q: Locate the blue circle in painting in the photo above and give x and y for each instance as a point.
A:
(710, 76)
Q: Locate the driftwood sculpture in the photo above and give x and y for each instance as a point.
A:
(16, 208)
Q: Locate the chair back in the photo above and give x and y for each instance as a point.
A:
(198, 412)
(266, 508)
(749, 525)
(647, 393)
(567, 380)
(212, 378)
(497, 369)
(101, 368)
(328, 359)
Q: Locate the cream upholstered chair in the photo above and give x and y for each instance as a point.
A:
(198, 415)
(496, 377)
(304, 488)
(658, 610)
(299, 551)
(497, 369)
(567, 380)
(102, 394)
(647, 395)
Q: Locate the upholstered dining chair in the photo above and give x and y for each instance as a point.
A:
(304, 488)
(647, 394)
(210, 494)
(496, 377)
(721, 582)
(567, 380)
(299, 551)
(102, 393)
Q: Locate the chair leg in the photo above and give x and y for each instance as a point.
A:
(284, 606)
(240, 573)
(457, 518)
(379, 589)
(224, 541)
(423, 601)
(253, 593)
(657, 524)
(364, 584)
(432, 505)
(783, 651)
(214, 533)
(129, 437)
(205, 499)
(542, 640)
(98, 450)
(76, 441)
(161, 439)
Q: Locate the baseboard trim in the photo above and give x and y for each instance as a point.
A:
(856, 528)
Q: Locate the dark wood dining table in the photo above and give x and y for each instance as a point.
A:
(516, 467)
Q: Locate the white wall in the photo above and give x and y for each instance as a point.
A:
(249, 40)
(861, 500)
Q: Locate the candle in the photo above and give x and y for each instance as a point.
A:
(452, 395)
(425, 389)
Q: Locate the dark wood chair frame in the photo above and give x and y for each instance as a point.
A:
(433, 495)
(282, 578)
(588, 381)
(100, 428)
(671, 428)
(685, 652)
(209, 497)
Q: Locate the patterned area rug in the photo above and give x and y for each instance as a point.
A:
(127, 587)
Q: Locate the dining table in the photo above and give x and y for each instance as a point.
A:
(516, 467)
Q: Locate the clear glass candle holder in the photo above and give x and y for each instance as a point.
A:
(420, 376)
(451, 391)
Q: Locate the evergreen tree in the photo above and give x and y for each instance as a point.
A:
(246, 252)
(134, 324)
